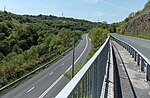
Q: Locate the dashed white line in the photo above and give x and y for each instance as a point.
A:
(30, 89)
(62, 64)
(43, 94)
(51, 73)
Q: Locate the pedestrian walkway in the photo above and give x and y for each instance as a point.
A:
(132, 81)
(108, 83)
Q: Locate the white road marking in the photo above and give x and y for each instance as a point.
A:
(43, 94)
(62, 64)
(90, 39)
(30, 89)
(51, 73)
(79, 56)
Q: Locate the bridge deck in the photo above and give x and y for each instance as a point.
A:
(132, 82)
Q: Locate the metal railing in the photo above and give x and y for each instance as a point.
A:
(141, 60)
(87, 83)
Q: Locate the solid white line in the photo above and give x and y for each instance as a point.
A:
(51, 73)
(79, 56)
(43, 94)
(30, 89)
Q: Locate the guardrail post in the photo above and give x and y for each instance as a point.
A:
(135, 55)
(125, 46)
(147, 72)
(83, 88)
(94, 80)
(130, 50)
(138, 59)
(91, 82)
(88, 86)
(142, 64)
(132, 53)
(78, 96)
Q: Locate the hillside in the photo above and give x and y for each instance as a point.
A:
(27, 41)
(137, 23)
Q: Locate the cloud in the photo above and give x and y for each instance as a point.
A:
(90, 1)
(99, 14)
(108, 3)
(116, 6)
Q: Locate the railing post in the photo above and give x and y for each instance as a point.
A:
(147, 72)
(132, 53)
(142, 64)
(138, 59)
(135, 55)
(90, 83)
(128, 48)
(83, 88)
(88, 86)
(78, 91)
(94, 80)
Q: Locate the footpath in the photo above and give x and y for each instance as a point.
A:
(131, 82)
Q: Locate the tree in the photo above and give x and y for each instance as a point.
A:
(23, 45)
(1, 56)
(5, 47)
(55, 43)
(2, 36)
(42, 49)
(4, 29)
(17, 49)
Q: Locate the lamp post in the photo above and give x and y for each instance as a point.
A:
(73, 54)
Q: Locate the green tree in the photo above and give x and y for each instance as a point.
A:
(4, 28)
(17, 49)
(1, 56)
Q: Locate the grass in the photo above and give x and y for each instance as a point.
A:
(79, 66)
(76, 70)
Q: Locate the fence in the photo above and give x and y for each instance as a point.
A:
(87, 83)
(141, 60)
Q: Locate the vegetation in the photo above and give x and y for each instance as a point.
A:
(27, 41)
(137, 24)
(97, 36)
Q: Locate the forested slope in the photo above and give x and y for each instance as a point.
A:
(27, 41)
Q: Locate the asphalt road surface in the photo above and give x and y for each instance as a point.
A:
(141, 45)
(50, 81)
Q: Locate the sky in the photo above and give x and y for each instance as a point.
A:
(92, 10)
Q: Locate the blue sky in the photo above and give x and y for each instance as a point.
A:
(93, 10)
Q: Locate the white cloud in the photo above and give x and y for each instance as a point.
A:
(90, 1)
(108, 3)
(114, 5)
(99, 14)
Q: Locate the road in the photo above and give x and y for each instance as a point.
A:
(50, 81)
(141, 45)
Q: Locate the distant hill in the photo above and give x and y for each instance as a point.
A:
(137, 23)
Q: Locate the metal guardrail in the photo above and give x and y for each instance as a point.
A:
(87, 83)
(141, 60)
